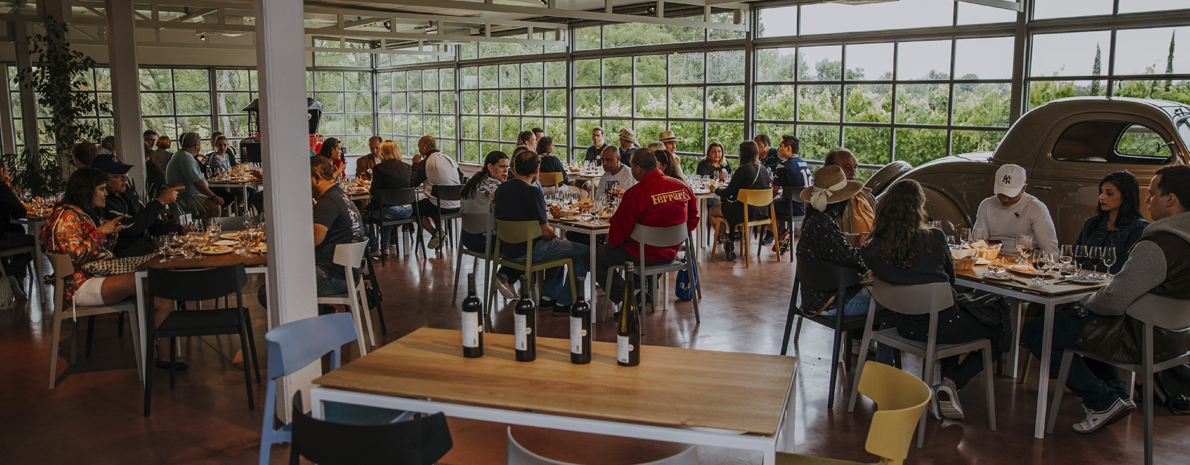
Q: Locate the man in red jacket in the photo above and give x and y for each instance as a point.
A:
(655, 200)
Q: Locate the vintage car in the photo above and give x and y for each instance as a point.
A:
(1066, 146)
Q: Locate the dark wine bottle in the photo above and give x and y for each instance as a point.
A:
(472, 321)
(580, 327)
(628, 333)
(525, 325)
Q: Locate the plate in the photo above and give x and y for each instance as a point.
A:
(1084, 280)
(997, 277)
(232, 235)
(1026, 270)
(226, 242)
(982, 262)
(216, 250)
(262, 248)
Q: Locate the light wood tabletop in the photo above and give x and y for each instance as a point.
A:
(1024, 282)
(672, 387)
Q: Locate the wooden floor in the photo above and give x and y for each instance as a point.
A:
(95, 413)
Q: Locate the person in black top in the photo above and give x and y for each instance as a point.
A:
(13, 235)
(750, 175)
(768, 153)
(83, 154)
(714, 164)
(597, 146)
(391, 173)
(142, 222)
(150, 141)
(902, 251)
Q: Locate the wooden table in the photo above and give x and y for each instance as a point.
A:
(722, 399)
(591, 229)
(242, 185)
(253, 263)
(1026, 291)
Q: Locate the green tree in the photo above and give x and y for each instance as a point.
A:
(1095, 72)
(1169, 60)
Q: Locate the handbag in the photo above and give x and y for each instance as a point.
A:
(990, 310)
(8, 299)
(685, 283)
(117, 266)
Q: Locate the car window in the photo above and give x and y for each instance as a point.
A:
(1111, 142)
(1140, 141)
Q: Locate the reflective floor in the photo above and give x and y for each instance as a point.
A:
(95, 413)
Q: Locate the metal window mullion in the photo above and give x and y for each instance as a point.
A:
(749, 76)
(213, 94)
(892, 128)
(950, 104)
(1111, 62)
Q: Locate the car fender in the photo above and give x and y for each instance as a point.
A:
(887, 175)
(942, 208)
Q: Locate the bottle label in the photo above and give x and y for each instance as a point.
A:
(623, 348)
(520, 330)
(471, 329)
(577, 333)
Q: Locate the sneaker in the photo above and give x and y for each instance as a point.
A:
(436, 240)
(784, 243)
(505, 287)
(767, 238)
(729, 251)
(1098, 419)
(948, 400)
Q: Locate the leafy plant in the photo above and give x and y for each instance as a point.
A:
(58, 72)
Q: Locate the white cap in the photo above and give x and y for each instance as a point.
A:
(1010, 179)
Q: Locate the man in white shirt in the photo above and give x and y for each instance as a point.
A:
(436, 169)
(1012, 212)
(613, 171)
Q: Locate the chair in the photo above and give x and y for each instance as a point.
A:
(420, 441)
(793, 220)
(923, 299)
(369, 279)
(33, 278)
(475, 223)
(658, 236)
(63, 270)
(900, 400)
(398, 198)
(1153, 311)
(519, 455)
(549, 179)
(822, 275)
(293, 346)
(212, 283)
(349, 256)
(447, 193)
(518, 232)
(750, 198)
(231, 223)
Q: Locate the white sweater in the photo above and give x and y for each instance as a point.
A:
(1028, 216)
(441, 170)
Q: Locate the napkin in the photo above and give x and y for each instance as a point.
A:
(963, 253)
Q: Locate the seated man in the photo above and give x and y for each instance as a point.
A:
(184, 169)
(597, 145)
(519, 200)
(150, 138)
(83, 154)
(857, 217)
(790, 177)
(1159, 264)
(142, 222)
(435, 169)
(655, 200)
(768, 154)
(12, 234)
(614, 174)
(1012, 212)
(627, 145)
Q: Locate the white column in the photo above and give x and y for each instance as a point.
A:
(7, 130)
(20, 33)
(121, 52)
(281, 65)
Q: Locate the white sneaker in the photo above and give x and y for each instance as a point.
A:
(1098, 419)
(948, 400)
(505, 288)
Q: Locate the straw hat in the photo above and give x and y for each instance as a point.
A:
(667, 136)
(628, 135)
(830, 186)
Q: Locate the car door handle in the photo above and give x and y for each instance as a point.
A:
(1044, 188)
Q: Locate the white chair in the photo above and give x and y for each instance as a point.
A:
(667, 236)
(518, 455)
(1154, 312)
(476, 223)
(63, 269)
(349, 256)
(920, 299)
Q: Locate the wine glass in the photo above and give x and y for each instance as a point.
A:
(162, 246)
(1080, 256)
(1042, 262)
(1095, 256)
(965, 236)
(1066, 257)
(1109, 259)
(1024, 247)
(996, 266)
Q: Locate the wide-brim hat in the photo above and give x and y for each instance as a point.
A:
(830, 186)
(667, 136)
(628, 135)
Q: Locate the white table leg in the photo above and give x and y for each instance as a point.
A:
(1043, 377)
(1018, 310)
(315, 404)
(770, 457)
(591, 267)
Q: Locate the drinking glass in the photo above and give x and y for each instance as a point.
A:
(162, 246)
(1042, 262)
(1109, 259)
(1024, 246)
(1080, 256)
(997, 266)
(965, 236)
(1066, 257)
(1095, 256)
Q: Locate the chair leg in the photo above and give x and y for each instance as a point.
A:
(607, 293)
(830, 398)
(54, 346)
(927, 376)
(362, 298)
(379, 298)
(1063, 373)
(173, 358)
(251, 346)
(133, 329)
(244, 350)
(746, 238)
(359, 328)
(1147, 361)
(715, 240)
(847, 351)
(148, 362)
(859, 369)
(797, 332)
(74, 343)
(987, 375)
(458, 270)
(90, 333)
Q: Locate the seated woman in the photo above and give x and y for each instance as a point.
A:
(823, 240)
(477, 196)
(667, 162)
(391, 173)
(902, 251)
(713, 164)
(550, 163)
(1118, 223)
(71, 229)
(750, 175)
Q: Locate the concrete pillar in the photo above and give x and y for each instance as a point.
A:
(281, 64)
(7, 131)
(20, 33)
(121, 47)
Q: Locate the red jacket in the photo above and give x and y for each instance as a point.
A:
(656, 200)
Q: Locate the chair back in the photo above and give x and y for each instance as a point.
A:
(350, 255)
(294, 345)
(63, 267)
(1159, 311)
(478, 223)
(755, 197)
(421, 441)
(518, 455)
(900, 398)
(516, 232)
(395, 197)
(549, 179)
(231, 223)
(447, 193)
(197, 284)
(917, 299)
(660, 236)
(824, 276)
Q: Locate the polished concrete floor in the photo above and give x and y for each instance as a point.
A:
(95, 413)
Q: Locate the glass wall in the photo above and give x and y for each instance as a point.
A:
(415, 103)
(497, 102)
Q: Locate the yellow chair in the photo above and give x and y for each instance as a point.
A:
(753, 198)
(516, 232)
(900, 398)
(549, 179)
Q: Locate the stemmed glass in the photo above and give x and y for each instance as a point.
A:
(1042, 262)
(1109, 259)
(1095, 256)
(1067, 258)
(1024, 247)
(163, 246)
(1080, 256)
(997, 266)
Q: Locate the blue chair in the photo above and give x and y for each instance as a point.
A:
(293, 346)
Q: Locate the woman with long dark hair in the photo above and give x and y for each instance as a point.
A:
(332, 150)
(750, 175)
(477, 195)
(902, 251)
(1118, 222)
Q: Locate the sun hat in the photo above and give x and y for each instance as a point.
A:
(667, 136)
(1010, 179)
(830, 186)
(628, 135)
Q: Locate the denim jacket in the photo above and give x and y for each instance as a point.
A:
(1122, 239)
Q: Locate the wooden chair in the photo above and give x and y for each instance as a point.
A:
(750, 198)
(549, 179)
(518, 232)
(63, 270)
(349, 256)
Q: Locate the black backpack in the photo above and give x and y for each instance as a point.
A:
(1172, 388)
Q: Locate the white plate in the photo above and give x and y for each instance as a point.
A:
(226, 242)
(997, 277)
(214, 251)
(232, 235)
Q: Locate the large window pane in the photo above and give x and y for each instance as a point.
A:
(777, 22)
(817, 140)
(1151, 51)
(975, 141)
(923, 60)
(555, 74)
(730, 134)
(469, 79)
(686, 102)
(1165, 89)
(328, 80)
(834, 18)
(989, 58)
(648, 130)
(725, 102)
(587, 38)
(155, 79)
(1045, 91)
(775, 102)
(194, 103)
(191, 79)
(1072, 54)
(981, 104)
(587, 102)
(1046, 9)
(556, 128)
(469, 103)
(725, 67)
(691, 135)
(617, 71)
(918, 146)
(1136, 6)
(922, 103)
(820, 63)
(489, 128)
(489, 77)
(359, 102)
(533, 102)
(509, 129)
(687, 68)
(871, 146)
(532, 74)
(970, 13)
(429, 102)
(776, 64)
(870, 62)
(489, 102)
(510, 102)
(617, 102)
(650, 102)
(587, 73)
(818, 103)
(156, 104)
(650, 69)
(869, 104)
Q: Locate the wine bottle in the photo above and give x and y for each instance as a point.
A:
(525, 325)
(472, 321)
(628, 333)
(580, 328)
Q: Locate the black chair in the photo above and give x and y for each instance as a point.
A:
(447, 193)
(195, 286)
(825, 275)
(398, 198)
(786, 215)
(374, 290)
(420, 441)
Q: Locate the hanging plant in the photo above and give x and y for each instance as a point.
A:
(58, 72)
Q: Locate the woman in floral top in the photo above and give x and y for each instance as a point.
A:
(477, 195)
(822, 239)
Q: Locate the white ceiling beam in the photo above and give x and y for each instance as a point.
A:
(1002, 4)
(376, 51)
(197, 14)
(383, 15)
(453, 38)
(565, 13)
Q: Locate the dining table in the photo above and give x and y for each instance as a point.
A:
(592, 228)
(699, 397)
(1021, 288)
